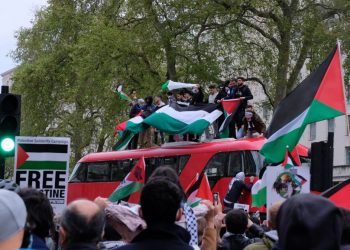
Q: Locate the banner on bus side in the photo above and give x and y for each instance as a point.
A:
(43, 163)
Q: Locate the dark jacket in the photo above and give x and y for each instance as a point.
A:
(239, 241)
(257, 124)
(80, 246)
(234, 193)
(243, 91)
(307, 221)
(135, 110)
(161, 236)
(222, 94)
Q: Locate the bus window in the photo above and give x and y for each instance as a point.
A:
(183, 159)
(250, 166)
(98, 172)
(79, 173)
(258, 159)
(235, 163)
(215, 168)
(119, 169)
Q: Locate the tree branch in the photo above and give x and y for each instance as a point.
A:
(256, 79)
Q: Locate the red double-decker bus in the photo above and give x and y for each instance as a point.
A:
(98, 174)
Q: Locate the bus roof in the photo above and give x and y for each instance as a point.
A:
(169, 149)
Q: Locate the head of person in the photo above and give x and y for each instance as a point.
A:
(240, 81)
(212, 89)
(169, 93)
(133, 94)
(40, 212)
(240, 176)
(160, 202)
(232, 83)
(346, 227)
(273, 211)
(82, 221)
(187, 95)
(249, 108)
(236, 221)
(157, 99)
(140, 102)
(307, 221)
(13, 215)
(180, 95)
(149, 100)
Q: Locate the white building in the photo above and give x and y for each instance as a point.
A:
(6, 78)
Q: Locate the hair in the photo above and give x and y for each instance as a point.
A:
(236, 221)
(212, 86)
(345, 240)
(249, 106)
(273, 211)
(169, 93)
(39, 210)
(160, 201)
(79, 228)
(159, 96)
(241, 78)
(149, 100)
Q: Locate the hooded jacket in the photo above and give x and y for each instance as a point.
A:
(307, 222)
(160, 236)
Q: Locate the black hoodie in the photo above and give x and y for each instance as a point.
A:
(307, 221)
(161, 236)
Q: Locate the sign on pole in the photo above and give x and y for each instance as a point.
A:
(43, 163)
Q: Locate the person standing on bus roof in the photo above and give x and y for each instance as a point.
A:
(235, 188)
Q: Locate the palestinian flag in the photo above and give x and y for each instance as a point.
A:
(132, 127)
(123, 125)
(119, 91)
(230, 107)
(175, 119)
(289, 160)
(132, 183)
(42, 157)
(259, 192)
(319, 97)
(339, 194)
(170, 85)
(199, 190)
(124, 141)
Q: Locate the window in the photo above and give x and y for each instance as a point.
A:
(215, 168)
(347, 125)
(176, 162)
(79, 173)
(98, 172)
(312, 131)
(119, 169)
(250, 166)
(331, 125)
(347, 153)
(235, 163)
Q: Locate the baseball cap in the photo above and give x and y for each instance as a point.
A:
(13, 213)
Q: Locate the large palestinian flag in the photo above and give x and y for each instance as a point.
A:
(177, 119)
(319, 97)
(230, 107)
(132, 183)
(41, 157)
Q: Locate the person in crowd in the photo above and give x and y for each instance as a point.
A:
(197, 95)
(158, 134)
(307, 221)
(160, 207)
(145, 137)
(13, 215)
(221, 95)
(270, 237)
(81, 226)
(135, 110)
(345, 241)
(213, 93)
(231, 90)
(40, 223)
(242, 92)
(171, 97)
(253, 125)
(237, 223)
(235, 189)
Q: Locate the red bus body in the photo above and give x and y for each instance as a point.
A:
(221, 159)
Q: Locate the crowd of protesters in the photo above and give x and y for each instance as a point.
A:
(163, 220)
(245, 122)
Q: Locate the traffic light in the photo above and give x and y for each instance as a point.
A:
(10, 121)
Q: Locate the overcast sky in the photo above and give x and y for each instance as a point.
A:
(14, 15)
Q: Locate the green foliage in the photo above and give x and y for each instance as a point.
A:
(78, 48)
